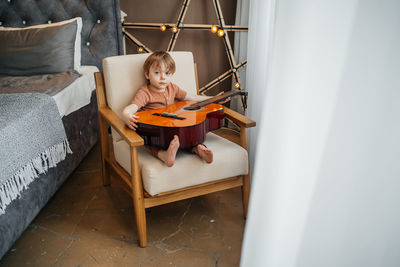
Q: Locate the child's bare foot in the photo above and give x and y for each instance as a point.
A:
(168, 156)
(204, 152)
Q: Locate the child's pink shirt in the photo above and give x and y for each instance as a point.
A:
(146, 98)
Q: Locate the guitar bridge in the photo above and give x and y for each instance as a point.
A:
(169, 115)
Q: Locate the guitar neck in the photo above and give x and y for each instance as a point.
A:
(215, 99)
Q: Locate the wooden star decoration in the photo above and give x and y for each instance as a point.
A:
(221, 30)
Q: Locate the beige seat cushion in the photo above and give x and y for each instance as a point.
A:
(230, 160)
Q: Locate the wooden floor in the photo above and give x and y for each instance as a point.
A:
(87, 224)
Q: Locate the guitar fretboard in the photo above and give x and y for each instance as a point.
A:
(214, 99)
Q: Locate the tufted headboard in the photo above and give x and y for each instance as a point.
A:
(101, 32)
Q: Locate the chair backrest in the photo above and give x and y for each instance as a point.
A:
(123, 76)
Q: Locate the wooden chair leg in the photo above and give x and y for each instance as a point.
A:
(104, 150)
(245, 193)
(138, 198)
(140, 215)
(246, 178)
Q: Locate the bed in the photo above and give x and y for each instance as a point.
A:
(97, 29)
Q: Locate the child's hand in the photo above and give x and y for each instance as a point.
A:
(132, 120)
(129, 117)
(225, 100)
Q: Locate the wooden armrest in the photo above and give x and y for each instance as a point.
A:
(130, 136)
(238, 118)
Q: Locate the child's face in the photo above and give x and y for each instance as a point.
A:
(159, 77)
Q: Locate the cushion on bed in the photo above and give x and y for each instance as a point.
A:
(41, 49)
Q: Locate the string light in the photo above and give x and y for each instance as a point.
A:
(174, 29)
(140, 49)
(220, 32)
(163, 28)
(214, 29)
(237, 85)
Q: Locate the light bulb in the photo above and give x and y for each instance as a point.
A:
(163, 28)
(214, 29)
(140, 49)
(220, 33)
(174, 29)
(237, 85)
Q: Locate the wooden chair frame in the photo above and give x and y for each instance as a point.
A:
(133, 183)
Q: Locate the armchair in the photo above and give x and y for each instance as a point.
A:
(146, 179)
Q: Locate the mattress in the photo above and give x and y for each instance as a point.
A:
(77, 94)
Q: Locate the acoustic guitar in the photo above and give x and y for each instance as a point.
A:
(189, 120)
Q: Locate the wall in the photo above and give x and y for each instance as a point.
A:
(208, 49)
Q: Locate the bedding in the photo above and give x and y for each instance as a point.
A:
(41, 49)
(77, 94)
(20, 109)
(101, 36)
(32, 139)
(70, 90)
(50, 84)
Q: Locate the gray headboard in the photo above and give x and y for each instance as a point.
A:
(101, 32)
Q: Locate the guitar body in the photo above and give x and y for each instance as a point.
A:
(191, 128)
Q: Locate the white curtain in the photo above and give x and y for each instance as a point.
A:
(240, 48)
(324, 83)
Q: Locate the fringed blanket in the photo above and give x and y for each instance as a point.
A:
(49, 84)
(32, 139)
